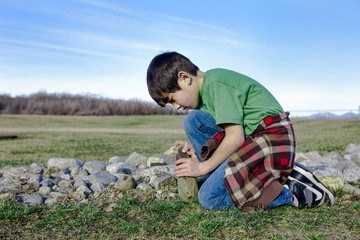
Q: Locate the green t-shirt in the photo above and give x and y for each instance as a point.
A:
(231, 97)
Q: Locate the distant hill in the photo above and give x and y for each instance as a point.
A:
(329, 115)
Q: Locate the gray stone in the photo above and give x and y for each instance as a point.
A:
(352, 189)
(62, 163)
(84, 189)
(45, 190)
(59, 196)
(120, 168)
(330, 172)
(47, 182)
(61, 173)
(30, 199)
(157, 170)
(94, 166)
(79, 195)
(50, 201)
(155, 161)
(351, 148)
(65, 183)
(125, 182)
(164, 182)
(7, 188)
(31, 178)
(79, 172)
(98, 186)
(80, 183)
(103, 177)
(14, 172)
(352, 176)
(6, 195)
(313, 155)
(355, 157)
(346, 165)
(187, 186)
(136, 159)
(36, 168)
(143, 186)
(117, 159)
(6, 181)
(299, 157)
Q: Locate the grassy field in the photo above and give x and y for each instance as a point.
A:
(99, 138)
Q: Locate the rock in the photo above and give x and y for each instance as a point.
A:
(62, 163)
(164, 182)
(98, 186)
(155, 161)
(170, 151)
(94, 166)
(30, 199)
(7, 188)
(103, 177)
(157, 170)
(313, 155)
(136, 159)
(346, 165)
(50, 201)
(80, 183)
(36, 168)
(331, 172)
(6, 195)
(299, 157)
(352, 176)
(125, 182)
(117, 159)
(120, 168)
(58, 196)
(352, 189)
(355, 157)
(34, 179)
(61, 173)
(143, 186)
(45, 190)
(6, 181)
(187, 186)
(351, 148)
(79, 195)
(84, 189)
(64, 184)
(47, 182)
(79, 172)
(332, 182)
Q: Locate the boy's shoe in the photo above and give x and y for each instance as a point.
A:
(308, 189)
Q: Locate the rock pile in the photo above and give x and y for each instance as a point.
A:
(143, 178)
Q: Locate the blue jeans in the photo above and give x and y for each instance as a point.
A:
(200, 127)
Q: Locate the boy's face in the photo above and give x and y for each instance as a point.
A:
(185, 98)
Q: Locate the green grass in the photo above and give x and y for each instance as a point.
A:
(99, 138)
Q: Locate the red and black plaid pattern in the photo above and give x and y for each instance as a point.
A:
(268, 154)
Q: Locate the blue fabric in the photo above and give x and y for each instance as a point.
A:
(200, 126)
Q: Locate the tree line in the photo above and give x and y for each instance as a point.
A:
(43, 103)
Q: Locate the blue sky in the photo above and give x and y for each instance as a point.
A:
(306, 52)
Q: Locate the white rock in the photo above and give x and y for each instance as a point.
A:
(62, 163)
(94, 166)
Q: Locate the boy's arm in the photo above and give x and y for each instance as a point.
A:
(234, 137)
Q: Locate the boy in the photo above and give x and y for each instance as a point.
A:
(240, 138)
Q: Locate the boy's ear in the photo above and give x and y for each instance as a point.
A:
(184, 76)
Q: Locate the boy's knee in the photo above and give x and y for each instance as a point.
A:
(204, 200)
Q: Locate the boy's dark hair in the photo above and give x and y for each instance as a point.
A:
(162, 74)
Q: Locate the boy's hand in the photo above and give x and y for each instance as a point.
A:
(189, 167)
(188, 148)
